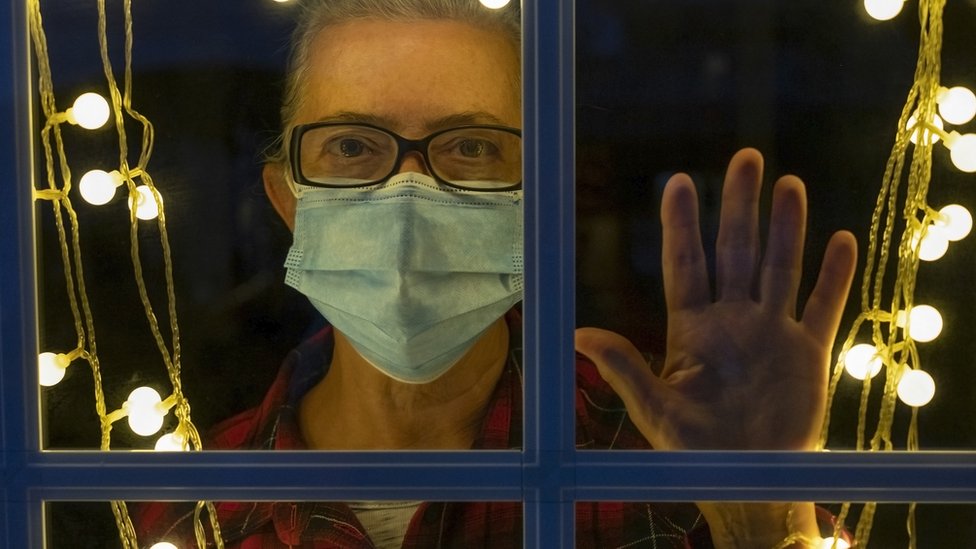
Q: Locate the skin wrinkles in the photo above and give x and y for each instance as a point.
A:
(445, 122)
(408, 79)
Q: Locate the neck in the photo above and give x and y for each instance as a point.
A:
(357, 407)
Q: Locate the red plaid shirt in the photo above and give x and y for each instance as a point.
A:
(602, 423)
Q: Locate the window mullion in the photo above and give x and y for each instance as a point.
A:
(776, 476)
(18, 396)
(549, 173)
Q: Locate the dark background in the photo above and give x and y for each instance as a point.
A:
(818, 88)
(661, 87)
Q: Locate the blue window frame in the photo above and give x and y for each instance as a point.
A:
(548, 475)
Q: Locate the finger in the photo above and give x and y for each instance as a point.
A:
(737, 247)
(624, 368)
(783, 260)
(826, 304)
(682, 256)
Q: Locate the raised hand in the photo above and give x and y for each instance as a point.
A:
(742, 370)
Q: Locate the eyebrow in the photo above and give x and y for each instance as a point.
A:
(451, 120)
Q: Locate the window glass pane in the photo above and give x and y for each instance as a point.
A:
(441, 324)
(617, 524)
(666, 87)
(268, 524)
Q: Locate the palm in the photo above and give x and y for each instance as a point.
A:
(741, 370)
(739, 378)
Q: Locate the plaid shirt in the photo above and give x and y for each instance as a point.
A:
(602, 423)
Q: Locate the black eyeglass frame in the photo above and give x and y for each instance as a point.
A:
(404, 146)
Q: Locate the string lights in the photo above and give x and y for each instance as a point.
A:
(495, 4)
(890, 320)
(883, 10)
(90, 111)
(831, 543)
(144, 408)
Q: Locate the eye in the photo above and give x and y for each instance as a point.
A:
(351, 147)
(472, 148)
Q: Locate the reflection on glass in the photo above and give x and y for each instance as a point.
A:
(678, 88)
(179, 193)
(486, 524)
(357, 524)
(678, 525)
(636, 524)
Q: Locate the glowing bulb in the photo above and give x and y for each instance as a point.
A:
(916, 388)
(163, 545)
(883, 10)
(146, 207)
(144, 410)
(97, 187)
(172, 442)
(90, 111)
(833, 543)
(957, 105)
(51, 368)
(494, 4)
(925, 325)
(955, 222)
(932, 136)
(862, 361)
(963, 152)
(934, 244)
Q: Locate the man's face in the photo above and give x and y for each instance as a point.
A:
(412, 77)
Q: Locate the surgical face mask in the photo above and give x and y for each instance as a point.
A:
(410, 272)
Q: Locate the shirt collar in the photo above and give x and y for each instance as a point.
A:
(307, 364)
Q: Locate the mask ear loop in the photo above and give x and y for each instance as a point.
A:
(280, 157)
(292, 186)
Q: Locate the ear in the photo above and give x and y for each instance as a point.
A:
(279, 193)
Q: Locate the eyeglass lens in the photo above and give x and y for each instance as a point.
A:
(477, 157)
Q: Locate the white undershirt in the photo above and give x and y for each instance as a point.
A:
(386, 522)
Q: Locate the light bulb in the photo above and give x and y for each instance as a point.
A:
(90, 111)
(172, 442)
(932, 136)
(163, 545)
(883, 10)
(934, 244)
(97, 187)
(862, 361)
(925, 325)
(832, 543)
(146, 208)
(51, 368)
(494, 4)
(957, 105)
(916, 388)
(963, 152)
(955, 222)
(144, 410)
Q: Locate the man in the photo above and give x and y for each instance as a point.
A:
(400, 177)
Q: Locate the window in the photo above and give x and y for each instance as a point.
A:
(548, 475)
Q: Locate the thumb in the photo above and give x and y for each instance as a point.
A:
(624, 368)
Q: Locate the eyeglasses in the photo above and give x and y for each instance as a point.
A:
(341, 155)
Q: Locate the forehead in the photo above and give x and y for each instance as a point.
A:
(411, 74)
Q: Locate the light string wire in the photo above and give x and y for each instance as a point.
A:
(897, 349)
(72, 260)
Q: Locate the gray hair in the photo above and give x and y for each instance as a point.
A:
(319, 14)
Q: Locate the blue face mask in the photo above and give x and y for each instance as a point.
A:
(410, 272)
